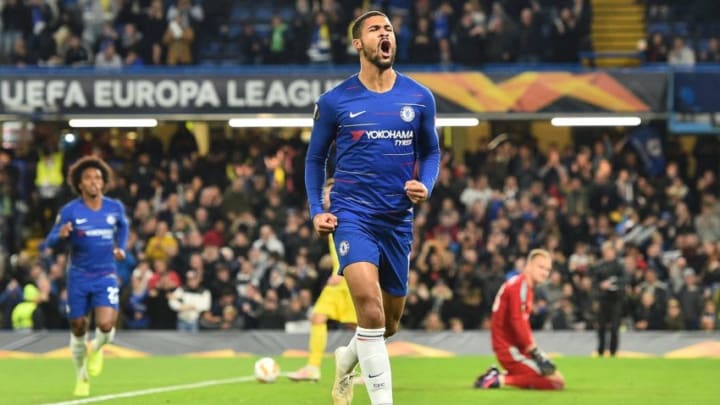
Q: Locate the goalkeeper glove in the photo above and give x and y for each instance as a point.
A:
(543, 362)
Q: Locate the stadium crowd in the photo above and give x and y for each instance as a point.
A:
(682, 32)
(224, 241)
(130, 33)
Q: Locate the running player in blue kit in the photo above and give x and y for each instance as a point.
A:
(383, 126)
(94, 229)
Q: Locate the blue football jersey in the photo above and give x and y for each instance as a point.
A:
(380, 138)
(94, 236)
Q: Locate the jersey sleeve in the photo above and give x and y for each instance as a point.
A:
(517, 319)
(122, 227)
(323, 133)
(53, 238)
(428, 146)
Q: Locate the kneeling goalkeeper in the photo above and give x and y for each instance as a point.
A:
(526, 365)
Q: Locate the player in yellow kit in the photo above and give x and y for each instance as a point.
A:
(334, 302)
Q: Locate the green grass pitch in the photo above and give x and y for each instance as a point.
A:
(416, 381)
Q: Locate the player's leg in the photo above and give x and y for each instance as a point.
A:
(78, 306)
(105, 304)
(394, 307)
(601, 325)
(364, 283)
(615, 316)
(392, 279)
(359, 257)
(522, 372)
(105, 318)
(534, 381)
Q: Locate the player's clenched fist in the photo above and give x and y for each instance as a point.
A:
(119, 254)
(65, 230)
(324, 223)
(416, 191)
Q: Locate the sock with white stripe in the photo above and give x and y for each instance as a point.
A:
(375, 364)
(79, 350)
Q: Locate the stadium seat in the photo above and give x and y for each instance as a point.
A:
(263, 30)
(287, 13)
(263, 14)
(234, 31)
(239, 14)
(661, 27)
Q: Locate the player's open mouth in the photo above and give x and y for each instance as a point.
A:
(385, 48)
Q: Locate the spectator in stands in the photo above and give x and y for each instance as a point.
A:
(21, 56)
(468, 41)
(179, 38)
(320, 45)
(501, 41)
(674, 318)
(16, 24)
(153, 26)
(691, 300)
(278, 42)
(531, 46)
(76, 54)
(565, 37)
(649, 315)
(681, 54)
(130, 40)
(162, 245)
(710, 316)
(217, 17)
(658, 10)
(186, 13)
(250, 46)
(712, 53)
(48, 182)
(656, 49)
(108, 57)
(424, 47)
(190, 302)
(108, 34)
(135, 308)
(403, 33)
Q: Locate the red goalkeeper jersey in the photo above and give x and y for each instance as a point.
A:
(510, 323)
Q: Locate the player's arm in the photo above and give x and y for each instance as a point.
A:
(61, 230)
(428, 146)
(522, 332)
(517, 302)
(121, 237)
(323, 132)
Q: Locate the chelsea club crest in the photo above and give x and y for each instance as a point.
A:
(344, 248)
(407, 113)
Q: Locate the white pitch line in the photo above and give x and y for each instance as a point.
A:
(150, 391)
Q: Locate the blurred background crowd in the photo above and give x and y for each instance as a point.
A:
(116, 33)
(224, 240)
(132, 33)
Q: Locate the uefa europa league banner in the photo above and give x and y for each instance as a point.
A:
(204, 95)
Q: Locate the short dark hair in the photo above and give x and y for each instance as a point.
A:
(357, 24)
(76, 170)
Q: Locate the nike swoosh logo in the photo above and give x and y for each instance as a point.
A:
(81, 221)
(353, 115)
(376, 375)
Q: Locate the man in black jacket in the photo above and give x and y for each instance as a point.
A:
(609, 280)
